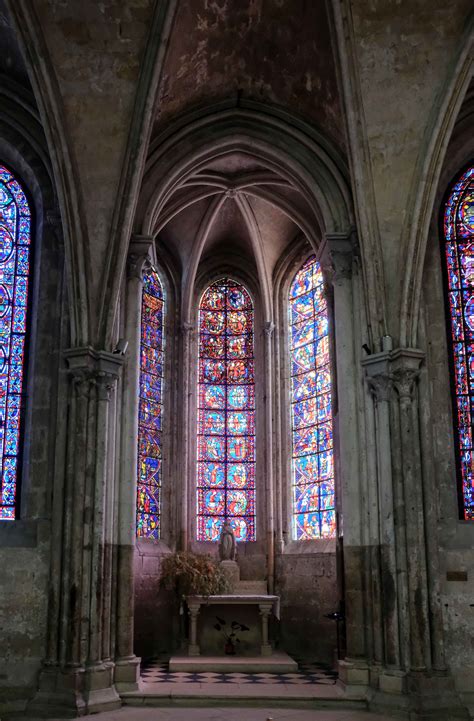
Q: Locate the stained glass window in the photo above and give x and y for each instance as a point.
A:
(226, 413)
(311, 407)
(150, 411)
(459, 254)
(15, 238)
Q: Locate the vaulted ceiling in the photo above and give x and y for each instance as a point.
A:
(234, 205)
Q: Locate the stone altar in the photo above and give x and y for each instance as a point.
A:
(245, 594)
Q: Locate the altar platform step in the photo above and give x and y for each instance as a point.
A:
(185, 694)
(313, 686)
(278, 663)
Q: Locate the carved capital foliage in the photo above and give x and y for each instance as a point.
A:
(82, 383)
(380, 386)
(269, 328)
(398, 369)
(138, 266)
(105, 383)
(89, 368)
(186, 329)
(342, 250)
(140, 257)
(404, 381)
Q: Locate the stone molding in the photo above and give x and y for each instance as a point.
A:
(140, 260)
(342, 250)
(86, 364)
(269, 328)
(186, 329)
(398, 369)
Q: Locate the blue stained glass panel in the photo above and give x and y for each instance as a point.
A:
(312, 427)
(226, 416)
(150, 409)
(459, 265)
(15, 239)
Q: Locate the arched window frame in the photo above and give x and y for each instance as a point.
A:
(170, 503)
(284, 274)
(450, 240)
(153, 318)
(326, 509)
(243, 273)
(11, 512)
(249, 411)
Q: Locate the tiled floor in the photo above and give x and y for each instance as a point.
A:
(156, 671)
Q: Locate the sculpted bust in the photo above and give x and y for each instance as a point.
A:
(227, 549)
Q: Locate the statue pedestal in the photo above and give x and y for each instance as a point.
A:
(232, 571)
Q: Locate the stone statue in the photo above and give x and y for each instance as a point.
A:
(227, 547)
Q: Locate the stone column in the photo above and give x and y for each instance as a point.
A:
(269, 500)
(193, 611)
(127, 665)
(379, 378)
(341, 249)
(410, 517)
(187, 460)
(265, 610)
(82, 679)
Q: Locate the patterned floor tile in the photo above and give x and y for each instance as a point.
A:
(155, 670)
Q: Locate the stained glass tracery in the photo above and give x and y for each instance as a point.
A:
(459, 255)
(226, 413)
(314, 513)
(150, 412)
(15, 242)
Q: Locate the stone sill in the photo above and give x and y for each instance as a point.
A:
(302, 548)
(18, 534)
(152, 547)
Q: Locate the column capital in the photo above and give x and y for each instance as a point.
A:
(268, 328)
(399, 369)
(186, 328)
(380, 386)
(85, 364)
(341, 252)
(140, 256)
(53, 218)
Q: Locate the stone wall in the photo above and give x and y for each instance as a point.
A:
(307, 584)
(23, 607)
(158, 624)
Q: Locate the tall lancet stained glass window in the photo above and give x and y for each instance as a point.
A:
(150, 411)
(226, 413)
(15, 239)
(311, 407)
(459, 255)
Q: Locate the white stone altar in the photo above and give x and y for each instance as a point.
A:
(270, 661)
(265, 603)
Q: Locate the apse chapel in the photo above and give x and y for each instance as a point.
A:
(237, 287)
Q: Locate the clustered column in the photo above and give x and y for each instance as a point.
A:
(140, 261)
(79, 671)
(342, 251)
(393, 376)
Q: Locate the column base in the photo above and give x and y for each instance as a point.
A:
(127, 673)
(74, 691)
(354, 677)
(194, 650)
(266, 650)
(421, 696)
